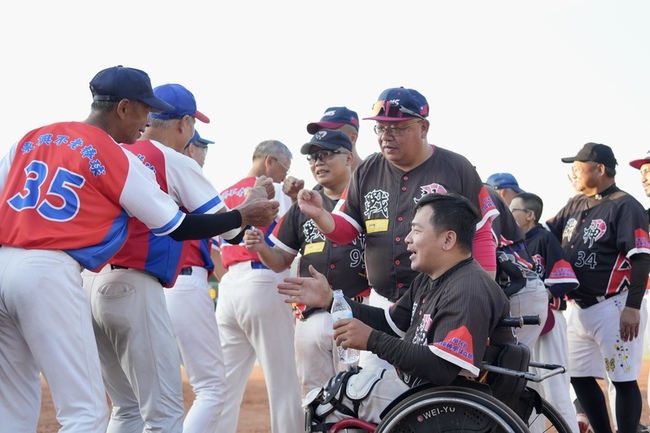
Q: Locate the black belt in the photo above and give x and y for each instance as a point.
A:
(186, 271)
(114, 267)
(592, 300)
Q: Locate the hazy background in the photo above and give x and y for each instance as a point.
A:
(512, 85)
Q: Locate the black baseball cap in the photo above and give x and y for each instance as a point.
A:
(327, 139)
(118, 82)
(594, 152)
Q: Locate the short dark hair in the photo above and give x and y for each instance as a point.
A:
(532, 202)
(452, 212)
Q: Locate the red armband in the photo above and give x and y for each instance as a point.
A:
(343, 232)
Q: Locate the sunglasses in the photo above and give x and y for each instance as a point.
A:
(393, 109)
(323, 155)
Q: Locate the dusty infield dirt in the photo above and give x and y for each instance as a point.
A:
(254, 415)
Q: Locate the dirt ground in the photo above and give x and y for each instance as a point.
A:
(254, 415)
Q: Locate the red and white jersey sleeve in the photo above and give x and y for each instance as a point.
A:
(180, 176)
(69, 186)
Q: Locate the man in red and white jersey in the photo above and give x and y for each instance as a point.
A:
(254, 323)
(68, 191)
(140, 360)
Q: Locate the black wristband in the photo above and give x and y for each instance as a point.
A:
(205, 226)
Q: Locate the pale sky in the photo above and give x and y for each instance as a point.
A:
(512, 85)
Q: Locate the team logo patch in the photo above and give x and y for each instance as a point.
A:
(641, 239)
(539, 264)
(420, 336)
(596, 230)
(569, 228)
(376, 204)
(428, 189)
(459, 344)
(311, 232)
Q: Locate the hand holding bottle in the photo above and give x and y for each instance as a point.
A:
(341, 311)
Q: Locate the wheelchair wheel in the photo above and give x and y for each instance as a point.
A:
(451, 410)
(554, 421)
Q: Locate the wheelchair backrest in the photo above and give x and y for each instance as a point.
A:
(504, 387)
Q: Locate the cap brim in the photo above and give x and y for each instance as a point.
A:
(569, 159)
(307, 146)
(158, 104)
(204, 141)
(390, 119)
(638, 163)
(202, 117)
(314, 127)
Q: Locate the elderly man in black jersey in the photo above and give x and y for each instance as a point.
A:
(604, 234)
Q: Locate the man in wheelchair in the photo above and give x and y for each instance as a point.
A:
(438, 330)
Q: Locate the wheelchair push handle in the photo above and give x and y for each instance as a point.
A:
(520, 321)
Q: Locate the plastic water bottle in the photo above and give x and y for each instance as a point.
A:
(341, 310)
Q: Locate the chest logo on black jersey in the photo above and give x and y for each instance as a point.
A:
(428, 189)
(376, 204)
(539, 265)
(595, 230)
(311, 232)
(569, 228)
(422, 331)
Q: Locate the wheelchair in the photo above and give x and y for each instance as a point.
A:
(497, 402)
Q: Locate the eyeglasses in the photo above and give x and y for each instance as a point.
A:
(394, 131)
(393, 109)
(323, 155)
(587, 166)
(286, 169)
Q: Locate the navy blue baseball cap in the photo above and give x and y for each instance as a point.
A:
(118, 82)
(504, 180)
(397, 104)
(327, 139)
(334, 118)
(182, 100)
(594, 152)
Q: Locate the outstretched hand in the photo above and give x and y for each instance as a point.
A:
(313, 291)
